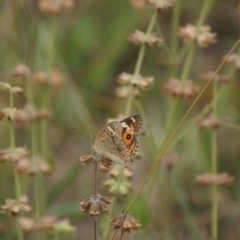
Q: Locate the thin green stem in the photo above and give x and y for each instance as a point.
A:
(203, 14)
(174, 37)
(34, 151)
(139, 64)
(95, 196)
(214, 190)
(108, 229)
(119, 181)
(33, 130)
(188, 63)
(46, 95)
(15, 173)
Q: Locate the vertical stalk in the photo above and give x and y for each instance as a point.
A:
(174, 37)
(139, 64)
(46, 95)
(15, 173)
(95, 196)
(34, 150)
(214, 190)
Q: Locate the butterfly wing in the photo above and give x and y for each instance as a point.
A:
(118, 140)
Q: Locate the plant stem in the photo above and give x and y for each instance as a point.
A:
(46, 95)
(15, 173)
(34, 150)
(174, 37)
(95, 196)
(139, 64)
(109, 218)
(214, 190)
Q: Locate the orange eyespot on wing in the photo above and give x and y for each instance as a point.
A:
(128, 137)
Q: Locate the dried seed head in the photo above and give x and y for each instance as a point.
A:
(170, 161)
(43, 114)
(68, 4)
(46, 223)
(20, 117)
(49, 7)
(124, 78)
(222, 179)
(5, 86)
(95, 204)
(203, 36)
(212, 121)
(40, 78)
(139, 37)
(16, 207)
(13, 155)
(85, 160)
(17, 90)
(27, 224)
(234, 58)
(161, 5)
(137, 82)
(20, 71)
(128, 224)
(122, 91)
(39, 165)
(23, 165)
(139, 5)
(217, 78)
(57, 78)
(177, 89)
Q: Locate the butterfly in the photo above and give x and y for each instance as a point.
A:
(117, 142)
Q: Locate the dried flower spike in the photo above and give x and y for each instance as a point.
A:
(15, 207)
(211, 121)
(95, 205)
(170, 161)
(222, 179)
(46, 223)
(49, 7)
(16, 155)
(139, 37)
(39, 165)
(203, 36)
(177, 89)
(20, 70)
(139, 5)
(234, 58)
(128, 224)
(217, 78)
(160, 5)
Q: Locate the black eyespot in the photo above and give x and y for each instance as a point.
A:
(129, 136)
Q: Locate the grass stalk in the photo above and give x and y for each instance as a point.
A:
(139, 64)
(15, 173)
(214, 188)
